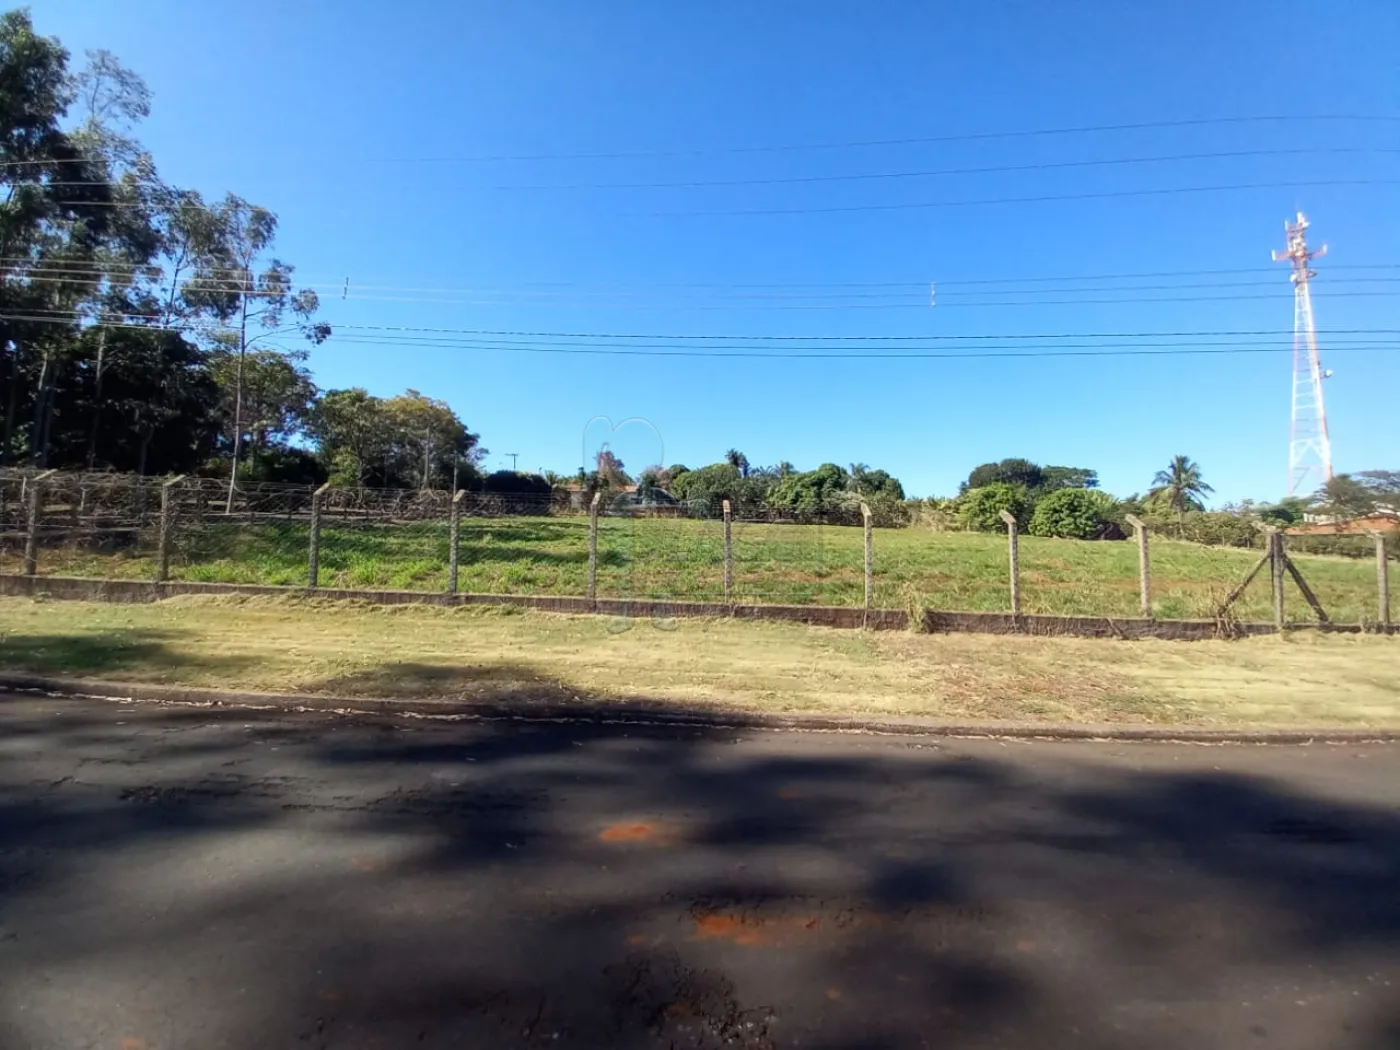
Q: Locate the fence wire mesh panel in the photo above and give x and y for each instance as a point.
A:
(86, 524)
(385, 538)
(14, 519)
(522, 544)
(661, 553)
(798, 559)
(1330, 581)
(258, 536)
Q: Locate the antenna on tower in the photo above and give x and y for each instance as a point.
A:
(1309, 448)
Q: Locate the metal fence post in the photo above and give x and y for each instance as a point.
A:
(36, 513)
(728, 553)
(1144, 564)
(869, 555)
(1013, 540)
(313, 557)
(166, 513)
(1382, 580)
(593, 547)
(1276, 569)
(454, 530)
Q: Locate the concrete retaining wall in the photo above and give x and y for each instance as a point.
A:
(72, 588)
(1082, 626)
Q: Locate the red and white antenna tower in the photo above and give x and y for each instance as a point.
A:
(1309, 448)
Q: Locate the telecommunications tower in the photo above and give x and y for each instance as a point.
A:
(1309, 449)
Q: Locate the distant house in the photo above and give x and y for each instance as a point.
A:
(1379, 520)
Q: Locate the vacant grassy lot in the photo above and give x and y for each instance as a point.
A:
(314, 645)
(683, 559)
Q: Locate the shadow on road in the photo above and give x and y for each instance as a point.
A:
(253, 878)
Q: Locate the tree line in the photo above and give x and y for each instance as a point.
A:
(1067, 502)
(829, 489)
(146, 329)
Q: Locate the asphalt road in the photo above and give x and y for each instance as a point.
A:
(175, 878)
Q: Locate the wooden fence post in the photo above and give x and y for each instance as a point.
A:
(1011, 532)
(869, 555)
(1382, 580)
(454, 531)
(1144, 564)
(313, 560)
(166, 527)
(728, 553)
(1276, 559)
(36, 513)
(593, 547)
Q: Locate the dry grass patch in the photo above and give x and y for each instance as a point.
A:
(516, 655)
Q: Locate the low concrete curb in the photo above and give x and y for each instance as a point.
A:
(935, 621)
(641, 713)
(79, 588)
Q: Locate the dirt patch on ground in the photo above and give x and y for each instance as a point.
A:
(650, 833)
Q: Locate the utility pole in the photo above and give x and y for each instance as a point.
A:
(513, 456)
(1309, 447)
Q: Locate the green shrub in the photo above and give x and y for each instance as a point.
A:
(1076, 514)
(981, 508)
(823, 489)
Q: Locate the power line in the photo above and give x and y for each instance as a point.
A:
(763, 338)
(919, 288)
(742, 303)
(748, 303)
(1014, 349)
(1039, 199)
(988, 170)
(868, 176)
(90, 268)
(1158, 273)
(1044, 352)
(984, 136)
(815, 307)
(425, 340)
(826, 354)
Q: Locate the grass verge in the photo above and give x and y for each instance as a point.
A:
(509, 654)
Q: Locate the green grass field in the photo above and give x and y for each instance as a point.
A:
(683, 560)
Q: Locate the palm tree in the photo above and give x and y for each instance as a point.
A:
(856, 481)
(1181, 486)
(738, 461)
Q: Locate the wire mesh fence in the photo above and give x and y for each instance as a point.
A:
(255, 534)
(384, 538)
(661, 553)
(77, 523)
(14, 519)
(791, 560)
(197, 529)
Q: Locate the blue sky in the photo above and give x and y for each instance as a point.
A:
(364, 126)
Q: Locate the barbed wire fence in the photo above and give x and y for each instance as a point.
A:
(619, 548)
